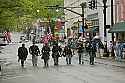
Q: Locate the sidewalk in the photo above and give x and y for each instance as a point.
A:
(108, 61)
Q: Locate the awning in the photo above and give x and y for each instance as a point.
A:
(94, 30)
(117, 28)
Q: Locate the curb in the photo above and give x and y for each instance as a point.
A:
(106, 60)
(106, 63)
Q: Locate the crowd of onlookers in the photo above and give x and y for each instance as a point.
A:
(119, 50)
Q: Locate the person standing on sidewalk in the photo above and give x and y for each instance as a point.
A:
(80, 53)
(110, 46)
(45, 54)
(68, 54)
(34, 51)
(22, 54)
(56, 54)
(119, 50)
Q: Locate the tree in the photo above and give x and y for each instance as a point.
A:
(17, 14)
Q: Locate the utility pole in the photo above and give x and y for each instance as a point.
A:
(104, 11)
(105, 33)
(112, 23)
(112, 20)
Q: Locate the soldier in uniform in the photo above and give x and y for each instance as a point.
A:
(45, 54)
(80, 53)
(34, 51)
(68, 54)
(56, 51)
(22, 54)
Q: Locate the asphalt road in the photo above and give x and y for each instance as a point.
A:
(75, 73)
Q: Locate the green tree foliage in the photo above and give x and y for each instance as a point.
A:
(18, 14)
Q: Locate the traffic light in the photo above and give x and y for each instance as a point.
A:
(92, 4)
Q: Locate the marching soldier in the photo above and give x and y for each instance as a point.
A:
(22, 54)
(45, 54)
(80, 53)
(34, 51)
(68, 54)
(56, 51)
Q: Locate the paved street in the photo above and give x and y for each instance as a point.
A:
(75, 73)
(90, 26)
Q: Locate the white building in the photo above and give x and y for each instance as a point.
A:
(95, 16)
(71, 17)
